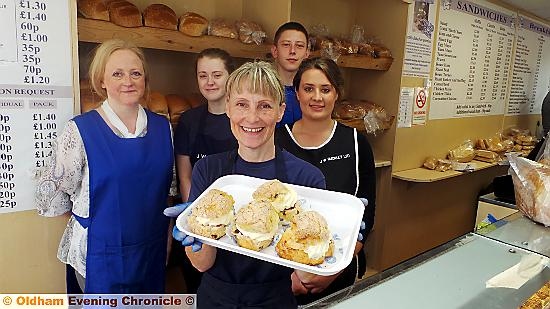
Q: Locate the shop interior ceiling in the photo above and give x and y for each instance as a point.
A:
(541, 8)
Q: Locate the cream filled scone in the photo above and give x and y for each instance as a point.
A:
(213, 213)
(283, 198)
(307, 240)
(255, 225)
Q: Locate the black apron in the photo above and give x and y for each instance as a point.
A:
(215, 293)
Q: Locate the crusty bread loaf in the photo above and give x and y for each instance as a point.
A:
(176, 106)
(193, 24)
(160, 16)
(125, 14)
(93, 9)
(156, 103)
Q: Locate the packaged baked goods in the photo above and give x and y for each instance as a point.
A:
(250, 32)
(366, 49)
(531, 187)
(381, 51)
(308, 240)
(125, 14)
(222, 28)
(93, 9)
(486, 156)
(193, 24)
(363, 115)
(160, 16)
(255, 225)
(443, 165)
(283, 198)
(463, 153)
(176, 106)
(213, 213)
(430, 163)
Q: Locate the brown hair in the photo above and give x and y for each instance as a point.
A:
(291, 25)
(325, 65)
(218, 53)
(101, 55)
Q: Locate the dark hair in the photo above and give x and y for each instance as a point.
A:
(291, 25)
(325, 65)
(218, 53)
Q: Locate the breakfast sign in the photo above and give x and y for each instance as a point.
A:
(36, 92)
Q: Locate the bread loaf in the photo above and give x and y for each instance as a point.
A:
(156, 103)
(193, 24)
(195, 99)
(93, 9)
(125, 14)
(160, 16)
(176, 106)
(223, 28)
(250, 32)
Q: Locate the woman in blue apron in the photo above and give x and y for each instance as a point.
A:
(254, 105)
(112, 168)
(344, 156)
(202, 131)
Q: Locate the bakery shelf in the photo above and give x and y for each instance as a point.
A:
(421, 174)
(97, 31)
(361, 62)
(381, 163)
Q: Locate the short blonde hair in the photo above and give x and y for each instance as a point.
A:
(100, 58)
(258, 77)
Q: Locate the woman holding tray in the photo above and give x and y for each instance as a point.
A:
(344, 156)
(255, 103)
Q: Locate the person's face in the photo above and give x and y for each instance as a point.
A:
(211, 77)
(253, 117)
(290, 50)
(316, 95)
(124, 78)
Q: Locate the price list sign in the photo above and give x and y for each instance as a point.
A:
(531, 70)
(36, 93)
(473, 59)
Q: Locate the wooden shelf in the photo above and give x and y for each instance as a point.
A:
(361, 62)
(97, 31)
(421, 174)
(381, 163)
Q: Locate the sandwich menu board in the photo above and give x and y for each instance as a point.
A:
(36, 92)
(531, 68)
(473, 57)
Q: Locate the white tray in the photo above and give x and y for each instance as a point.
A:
(342, 211)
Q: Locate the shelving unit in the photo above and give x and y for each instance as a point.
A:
(425, 175)
(97, 31)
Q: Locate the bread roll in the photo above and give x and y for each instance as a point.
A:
(125, 14)
(160, 16)
(176, 106)
(212, 214)
(255, 225)
(193, 24)
(157, 104)
(195, 99)
(93, 9)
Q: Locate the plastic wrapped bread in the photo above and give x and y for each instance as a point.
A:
(531, 187)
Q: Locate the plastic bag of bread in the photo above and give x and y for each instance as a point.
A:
(486, 156)
(318, 33)
(430, 163)
(222, 28)
(250, 32)
(531, 187)
(363, 115)
(330, 49)
(443, 165)
(463, 153)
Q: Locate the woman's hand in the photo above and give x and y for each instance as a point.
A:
(314, 283)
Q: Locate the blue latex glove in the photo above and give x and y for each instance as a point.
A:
(362, 227)
(186, 240)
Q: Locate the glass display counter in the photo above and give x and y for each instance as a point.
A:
(454, 275)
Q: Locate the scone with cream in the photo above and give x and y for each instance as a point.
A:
(255, 225)
(307, 240)
(281, 196)
(213, 213)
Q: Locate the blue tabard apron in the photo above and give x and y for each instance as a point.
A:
(129, 185)
(215, 293)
